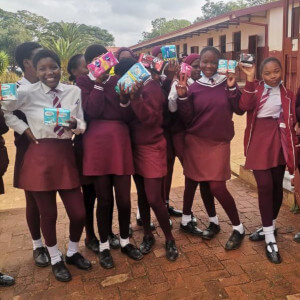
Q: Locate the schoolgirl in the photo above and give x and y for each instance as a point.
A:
(206, 107)
(76, 68)
(269, 144)
(108, 156)
(149, 153)
(49, 163)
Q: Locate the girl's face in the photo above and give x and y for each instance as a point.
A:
(196, 71)
(48, 72)
(271, 73)
(209, 63)
(81, 68)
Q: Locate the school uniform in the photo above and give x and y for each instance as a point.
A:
(207, 114)
(269, 142)
(149, 152)
(107, 150)
(49, 166)
(3, 152)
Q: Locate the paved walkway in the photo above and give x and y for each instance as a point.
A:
(203, 270)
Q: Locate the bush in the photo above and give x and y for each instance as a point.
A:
(9, 77)
(4, 61)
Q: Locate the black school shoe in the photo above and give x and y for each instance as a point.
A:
(105, 259)
(114, 242)
(132, 252)
(256, 236)
(174, 212)
(79, 261)
(147, 244)
(61, 272)
(191, 228)
(274, 256)
(234, 240)
(41, 257)
(171, 250)
(139, 222)
(211, 231)
(92, 244)
(6, 280)
(194, 219)
(297, 237)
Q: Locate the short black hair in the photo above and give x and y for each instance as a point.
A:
(212, 49)
(73, 64)
(267, 60)
(25, 51)
(124, 65)
(45, 53)
(93, 51)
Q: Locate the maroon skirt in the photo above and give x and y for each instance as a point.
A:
(49, 166)
(107, 149)
(150, 161)
(265, 151)
(178, 144)
(205, 159)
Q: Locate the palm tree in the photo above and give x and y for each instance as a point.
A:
(4, 62)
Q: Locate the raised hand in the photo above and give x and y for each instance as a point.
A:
(248, 71)
(171, 69)
(181, 87)
(124, 93)
(136, 90)
(72, 124)
(231, 80)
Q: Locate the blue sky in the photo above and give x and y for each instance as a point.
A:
(126, 20)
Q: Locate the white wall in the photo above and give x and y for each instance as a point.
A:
(275, 17)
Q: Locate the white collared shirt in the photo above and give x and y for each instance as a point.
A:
(23, 81)
(272, 107)
(218, 78)
(33, 98)
(173, 96)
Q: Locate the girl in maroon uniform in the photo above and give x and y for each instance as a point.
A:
(269, 144)
(206, 107)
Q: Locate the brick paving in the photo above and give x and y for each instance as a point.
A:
(204, 270)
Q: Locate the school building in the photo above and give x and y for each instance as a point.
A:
(271, 29)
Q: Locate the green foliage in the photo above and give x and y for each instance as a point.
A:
(161, 26)
(65, 39)
(4, 62)
(214, 8)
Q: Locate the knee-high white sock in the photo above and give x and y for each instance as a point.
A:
(185, 219)
(274, 224)
(54, 254)
(72, 248)
(103, 246)
(214, 220)
(37, 243)
(239, 228)
(270, 237)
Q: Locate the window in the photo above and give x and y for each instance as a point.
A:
(210, 41)
(185, 48)
(195, 49)
(223, 44)
(295, 22)
(178, 49)
(237, 41)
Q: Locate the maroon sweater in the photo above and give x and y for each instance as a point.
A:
(99, 105)
(146, 128)
(208, 111)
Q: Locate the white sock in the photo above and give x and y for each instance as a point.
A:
(103, 246)
(214, 220)
(270, 237)
(239, 228)
(274, 224)
(185, 219)
(124, 242)
(54, 254)
(37, 243)
(72, 248)
(138, 216)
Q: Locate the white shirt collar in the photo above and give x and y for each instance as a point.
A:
(47, 89)
(217, 79)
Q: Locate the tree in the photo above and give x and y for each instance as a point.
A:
(161, 26)
(98, 35)
(4, 61)
(214, 8)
